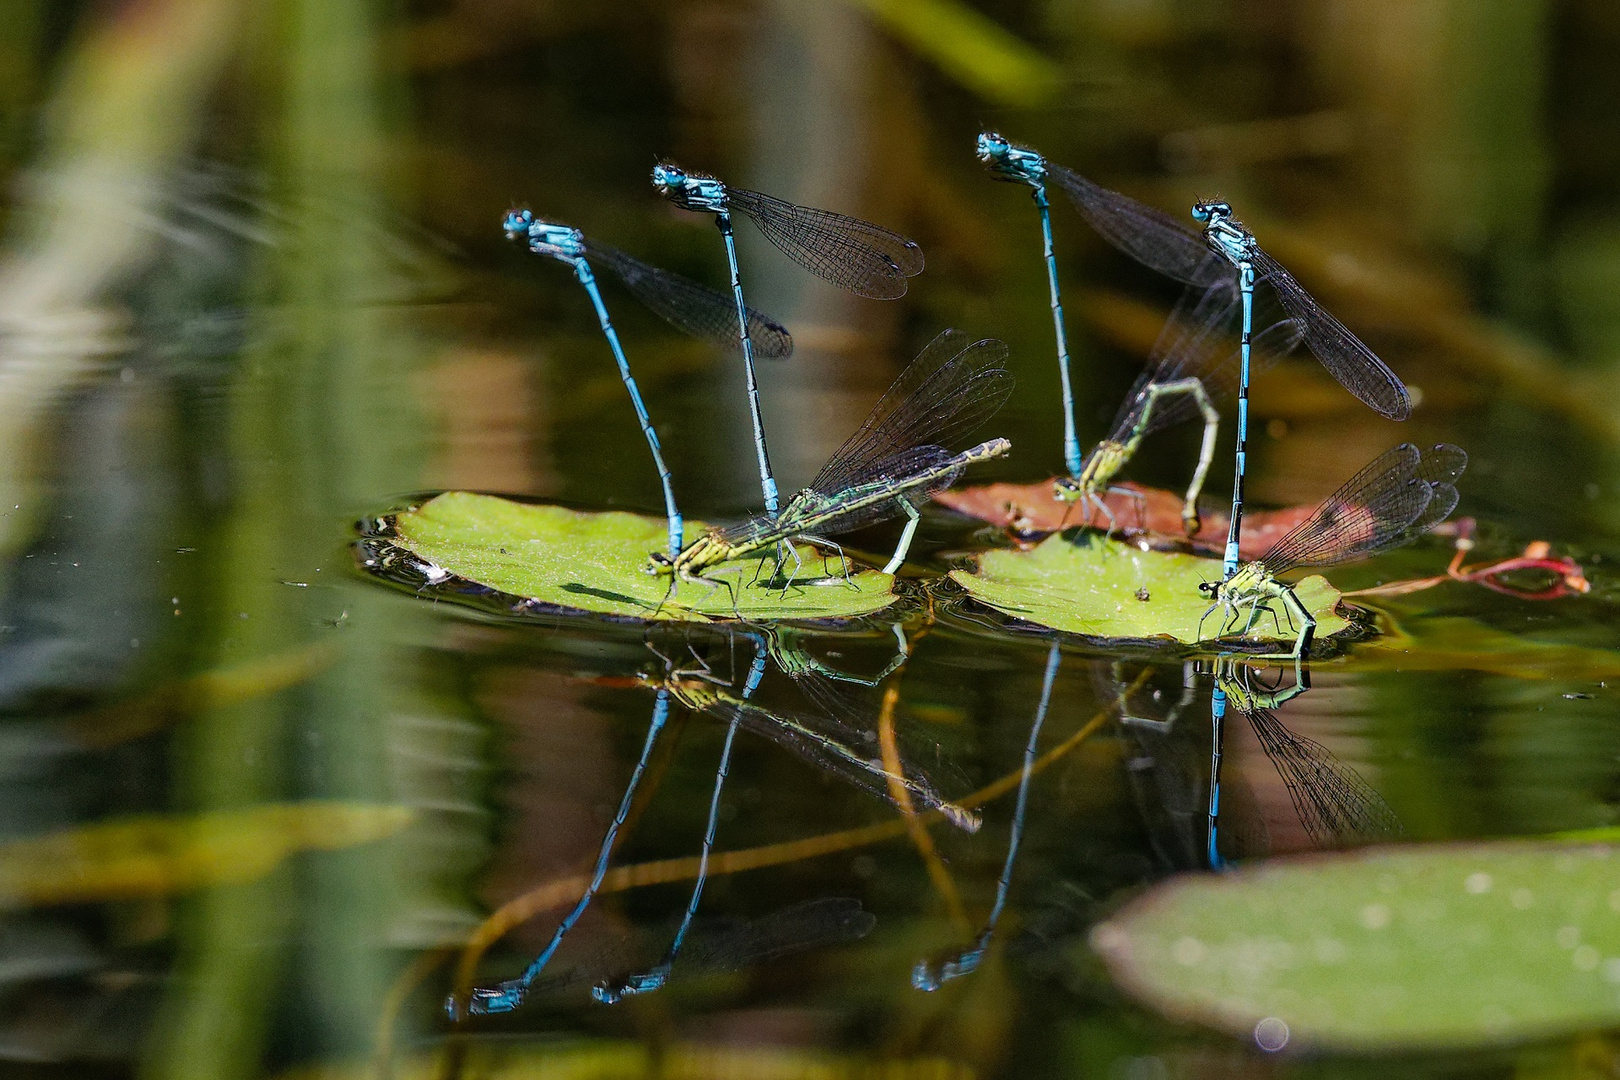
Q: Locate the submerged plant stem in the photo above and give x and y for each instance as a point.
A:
(921, 839)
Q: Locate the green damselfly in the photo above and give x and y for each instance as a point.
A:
(890, 467)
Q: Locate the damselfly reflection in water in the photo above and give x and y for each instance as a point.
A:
(1166, 759)
(889, 468)
(827, 742)
(833, 744)
(866, 259)
(712, 945)
(509, 994)
(1332, 801)
(686, 305)
(1397, 497)
(935, 973)
(830, 744)
(1171, 761)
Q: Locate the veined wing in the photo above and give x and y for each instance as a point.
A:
(948, 390)
(915, 474)
(724, 943)
(1195, 345)
(1356, 367)
(830, 745)
(1334, 804)
(857, 255)
(733, 944)
(1441, 466)
(1374, 510)
(692, 308)
(1151, 237)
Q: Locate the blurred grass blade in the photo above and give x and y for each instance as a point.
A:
(970, 48)
(163, 855)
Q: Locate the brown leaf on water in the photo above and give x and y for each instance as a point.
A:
(164, 855)
(1031, 510)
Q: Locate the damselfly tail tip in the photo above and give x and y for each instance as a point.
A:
(992, 448)
(960, 816)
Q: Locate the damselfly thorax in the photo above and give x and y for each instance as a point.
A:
(810, 510)
(1253, 588)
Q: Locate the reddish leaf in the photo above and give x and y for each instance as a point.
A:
(1031, 510)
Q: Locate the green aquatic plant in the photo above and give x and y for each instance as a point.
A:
(1085, 583)
(549, 559)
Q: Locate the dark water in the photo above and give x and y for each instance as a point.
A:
(255, 289)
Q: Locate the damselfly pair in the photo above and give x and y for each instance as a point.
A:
(856, 255)
(1187, 370)
(1397, 497)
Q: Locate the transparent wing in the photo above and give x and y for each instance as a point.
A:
(1334, 804)
(732, 944)
(1440, 467)
(948, 390)
(1356, 367)
(719, 944)
(857, 255)
(832, 746)
(1194, 344)
(1374, 510)
(1151, 237)
(692, 308)
(913, 475)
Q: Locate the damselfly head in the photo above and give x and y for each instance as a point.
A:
(1209, 588)
(544, 237)
(1009, 162)
(694, 191)
(1067, 489)
(659, 562)
(517, 223)
(668, 178)
(1207, 210)
(992, 148)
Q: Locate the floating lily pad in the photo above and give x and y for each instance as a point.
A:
(1082, 583)
(1398, 948)
(548, 558)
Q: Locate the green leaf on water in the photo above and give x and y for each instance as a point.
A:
(596, 562)
(1395, 948)
(1082, 583)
